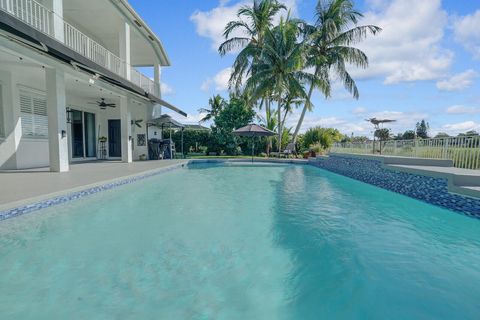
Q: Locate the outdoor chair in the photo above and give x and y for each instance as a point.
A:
(289, 150)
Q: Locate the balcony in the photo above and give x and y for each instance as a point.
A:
(42, 19)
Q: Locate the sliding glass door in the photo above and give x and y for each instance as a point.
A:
(77, 134)
(90, 138)
(83, 134)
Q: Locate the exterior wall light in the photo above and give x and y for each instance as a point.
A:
(69, 115)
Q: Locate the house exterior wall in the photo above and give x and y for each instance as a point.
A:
(16, 151)
(20, 152)
(30, 70)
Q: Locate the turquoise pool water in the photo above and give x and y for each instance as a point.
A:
(233, 242)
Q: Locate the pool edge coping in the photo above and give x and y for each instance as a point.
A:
(25, 206)
(13, 209)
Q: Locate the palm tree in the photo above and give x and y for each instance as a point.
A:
(216, 103)
(253, 22)
(269, 122)
(279, 69)
(328, 45)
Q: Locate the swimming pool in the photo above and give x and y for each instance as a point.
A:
(241, 242)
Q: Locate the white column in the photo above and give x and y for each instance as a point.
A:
(57, 120)
(125, 49)
(156, 110)
(126, 129)
(157, 71)
(11, 120)
(57, 19)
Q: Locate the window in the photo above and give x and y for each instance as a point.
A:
(33, 110)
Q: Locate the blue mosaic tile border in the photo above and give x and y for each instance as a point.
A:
(428, 189)
(15, 212)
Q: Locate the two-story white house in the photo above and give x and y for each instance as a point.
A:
(70, 85)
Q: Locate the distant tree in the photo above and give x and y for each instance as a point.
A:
(469, 133)
(383, 134)
(442, 135)
(216, 103)
(422, 128)
(193, 140)
(352, 138)
(408, 135)
(234, 115)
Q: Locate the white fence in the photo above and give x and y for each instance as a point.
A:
(464, 151)
(42, 19)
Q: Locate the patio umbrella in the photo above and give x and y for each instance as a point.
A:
(253, 130)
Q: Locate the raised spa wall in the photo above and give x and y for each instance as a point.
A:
(371, 170)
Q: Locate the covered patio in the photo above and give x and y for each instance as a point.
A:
(55, 117)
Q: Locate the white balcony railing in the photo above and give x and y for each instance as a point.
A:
(42, 19)
(79, 42)
(463, 150)
(30, 12)
(143, 81)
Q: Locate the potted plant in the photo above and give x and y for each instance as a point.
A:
(102, 139)
(315, 149)
(142, 157)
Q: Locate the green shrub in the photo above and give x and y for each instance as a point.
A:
(325, 137)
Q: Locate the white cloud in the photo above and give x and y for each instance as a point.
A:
(190, 119)
(458, 82)
(210, 24)
(343, 125)
(466, 30)
(460, 109)
(166, 89)
(403, 120)
(455, 128)
(358, 125)
(219, 81)
(359, 110)
(409, 47)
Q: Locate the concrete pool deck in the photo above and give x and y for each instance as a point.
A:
(21, 187)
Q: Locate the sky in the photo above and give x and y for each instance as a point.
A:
(425, 64)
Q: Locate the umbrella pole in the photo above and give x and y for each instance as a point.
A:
(253, 147)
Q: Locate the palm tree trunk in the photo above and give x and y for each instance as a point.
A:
(285, 116)
(279, 127)
(304, 111)
(267, 119)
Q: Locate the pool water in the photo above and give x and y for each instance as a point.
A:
(241, 242)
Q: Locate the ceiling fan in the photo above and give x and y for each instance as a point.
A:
(103, 105)
(136, 123)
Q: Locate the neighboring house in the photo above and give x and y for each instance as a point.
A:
(58, 58)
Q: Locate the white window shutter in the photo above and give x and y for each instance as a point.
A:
(33, 109)
(40, 120)
(26, 114)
